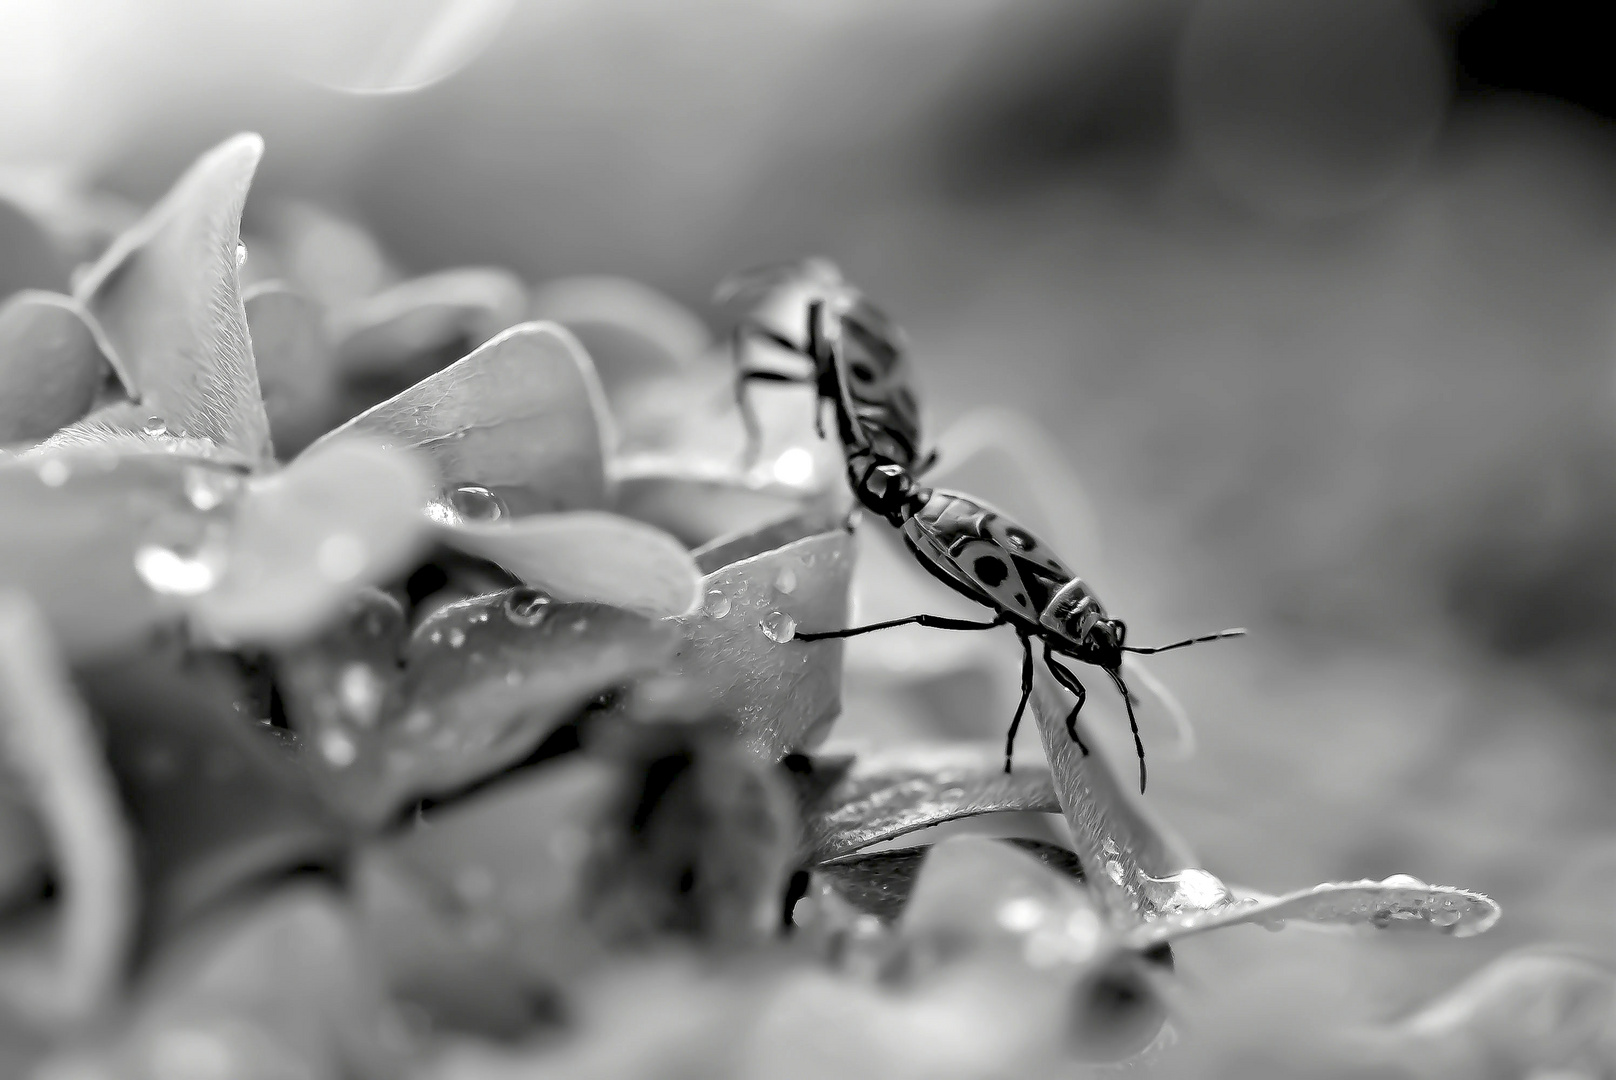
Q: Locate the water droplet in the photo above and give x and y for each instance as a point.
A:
(360, 692)
(716, 606)
(779, 627)
(1114, 871)
(337, 748)
(155, 425)
(457, 638)
(1403, 881)
(174, 571)
(206, 488)
(1189, 890)
(241, 256)
(794, 467)
(341, 557)
(472, 502)
(54, 472)
(526, 606)
(1020, 915)
(1273, 926)
(1445, 916)
(786, 580)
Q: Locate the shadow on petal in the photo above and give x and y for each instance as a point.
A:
(167, 296)
(51, 367)
(523, 418)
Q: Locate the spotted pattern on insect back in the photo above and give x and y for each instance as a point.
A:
(990, 569)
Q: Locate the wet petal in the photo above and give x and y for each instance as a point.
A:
(880, 883)
(51, 745)
(327, 257)
(51, 367)
(294, 365)
(632, 331)
(305, 539)
(522, 417)
(167, 295)
(215, 805)
(1397, 903)
(1121, 844)
(742, 640)
(708, 506)
(278, 989)
(484, 682)
(888, 796)
(401, 335)
(589, 557)
(128, 428)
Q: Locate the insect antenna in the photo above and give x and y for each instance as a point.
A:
(1133, 724)
(1233, 631)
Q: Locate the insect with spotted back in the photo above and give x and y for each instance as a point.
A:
(857, 356)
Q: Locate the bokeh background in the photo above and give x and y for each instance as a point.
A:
(1318, 297)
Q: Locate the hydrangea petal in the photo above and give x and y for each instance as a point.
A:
(127, 428)
(167, 295)
(412, 329)
(589, 557)
(52, 746)
(523, 416)
(702, 507)
(785, 693)
(886, 796)
(294, 365)
(327, 257)
(30, 259)
(632, 331)
(51, 367)
(305, 539)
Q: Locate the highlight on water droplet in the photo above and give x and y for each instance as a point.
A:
(1190, 890)
(794, 467)
(457, 637)
(473, 502)
(779, 627)
(1448, 914)
(207, 488)
(241, 255)
(1020, 915)
(527, 606)
(155, 425)
(177, 571)
(716, 605)
(359, 690)
(337, 748)
(54, 472)
(341, 557)
(1114, 871)
(786, 580)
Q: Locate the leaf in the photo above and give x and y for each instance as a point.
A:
(278, 989)
(888, 796)
(1397, 903)
(70, 971)
(880, 883)
(305, 539)
(523, 417)
(214, 806)
(785, 693)
(167, 294)
(295, 367)
(484, 682)
(51, 367)
(589, 557)
(1122, 846)
(631, 331)
(410, 330)
(124, 428)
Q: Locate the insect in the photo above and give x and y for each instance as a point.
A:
(988, 558)
(857, 356)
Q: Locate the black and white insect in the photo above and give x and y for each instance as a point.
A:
(857, 357)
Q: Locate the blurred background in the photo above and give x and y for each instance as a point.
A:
(1317, 296)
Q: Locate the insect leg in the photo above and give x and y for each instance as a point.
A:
(936, 622)
(1133, 725)
(1021, 706)
(1064, 676)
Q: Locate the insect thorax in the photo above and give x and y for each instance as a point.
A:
(1073, 611)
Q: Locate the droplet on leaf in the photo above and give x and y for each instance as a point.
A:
(473, 502)
(527, 606)
(716, 606)
(786, 580)
(155, 425)
(779, 627)
(206, 488)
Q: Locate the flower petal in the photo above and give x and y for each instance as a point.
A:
(484, 682)
(52, 746)
(785, 693)
(306, 539)
(523, 417)
(632, 331)
(294, 365)
(327, 257)
(51, 367)
(167, 295)
(589, 557)
(880, 883)
(128, 428)
(31, 260)
(1121, 844)
(1397, 903)
(893, 794)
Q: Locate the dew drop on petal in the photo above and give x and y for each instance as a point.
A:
(173, 572)
(337, 748)
(341, 557)
(1403, 881)
(205, 489)
(527, 606)
(457, 638)
(779, 627)
(473, 502)
(241, 256)
(1445, 916)
(786, 580)
(1192, 889)
(795, 467)
(360, 692)
(155, 425)
(716, 606)
(54, 472)
(1114, 871)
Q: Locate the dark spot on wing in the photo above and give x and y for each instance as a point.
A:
(990, 570)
